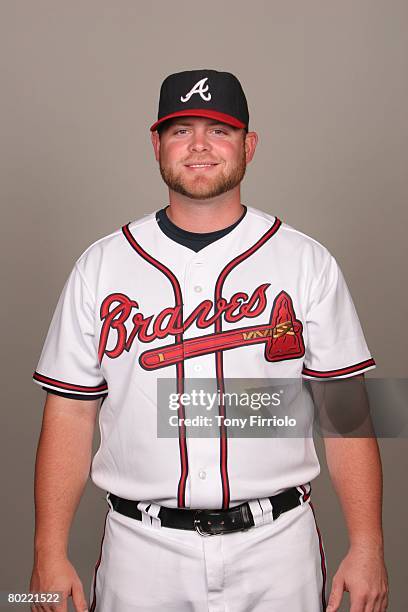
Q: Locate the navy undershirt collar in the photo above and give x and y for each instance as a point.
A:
(193, 240)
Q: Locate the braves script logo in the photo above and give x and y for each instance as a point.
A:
(200, 89)
(282, 335)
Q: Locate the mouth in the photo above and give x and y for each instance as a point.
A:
(201, 166)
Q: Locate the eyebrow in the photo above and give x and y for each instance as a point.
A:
(190, 123)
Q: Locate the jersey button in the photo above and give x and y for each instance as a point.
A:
(197, 367)
(198, 288)
(202, 474)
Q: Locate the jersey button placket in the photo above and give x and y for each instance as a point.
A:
(200, 451)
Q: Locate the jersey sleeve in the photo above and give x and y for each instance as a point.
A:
(336, 346)
(69, 359)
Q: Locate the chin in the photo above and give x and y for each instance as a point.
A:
(207, 194)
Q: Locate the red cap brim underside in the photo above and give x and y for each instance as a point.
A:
(200, 112)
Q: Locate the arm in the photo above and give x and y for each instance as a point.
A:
(355, 469)
(62, 468)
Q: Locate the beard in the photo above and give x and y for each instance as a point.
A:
(202, 187)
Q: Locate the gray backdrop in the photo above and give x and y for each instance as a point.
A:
(327, 88)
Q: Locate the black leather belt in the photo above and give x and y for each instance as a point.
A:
(209, 522)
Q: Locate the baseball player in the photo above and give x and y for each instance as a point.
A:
(202, 288)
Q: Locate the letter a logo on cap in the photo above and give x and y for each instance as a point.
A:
(198, 88)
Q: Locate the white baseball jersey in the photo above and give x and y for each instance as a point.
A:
(263, 301)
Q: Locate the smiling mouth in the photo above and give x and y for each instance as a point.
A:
(202, 165)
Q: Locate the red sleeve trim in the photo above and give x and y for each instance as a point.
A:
(357, 367)
(69, 386)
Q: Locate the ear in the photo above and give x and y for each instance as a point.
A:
(251, 140)
(156, 144)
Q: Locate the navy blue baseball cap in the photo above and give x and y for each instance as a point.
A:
(203, 93)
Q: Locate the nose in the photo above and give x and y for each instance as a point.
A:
(199, 141)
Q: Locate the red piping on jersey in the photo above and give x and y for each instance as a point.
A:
(322, 560)
(341, 372)
(68, 386)
(219, 355)
(181, 491)
(93, 604)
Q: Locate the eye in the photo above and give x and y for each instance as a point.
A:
(219, 131)
(181, 131)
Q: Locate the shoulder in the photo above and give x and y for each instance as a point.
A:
(111, 246)
(115, 239)
(292, 242)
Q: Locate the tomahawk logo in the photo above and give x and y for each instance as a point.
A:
(199, 88)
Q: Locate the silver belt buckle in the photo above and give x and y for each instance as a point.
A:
(199, 528)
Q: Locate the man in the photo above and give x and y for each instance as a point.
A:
(205, 288)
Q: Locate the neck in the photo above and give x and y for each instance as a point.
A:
(205, 215)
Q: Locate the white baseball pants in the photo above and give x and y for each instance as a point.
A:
(277, 566)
